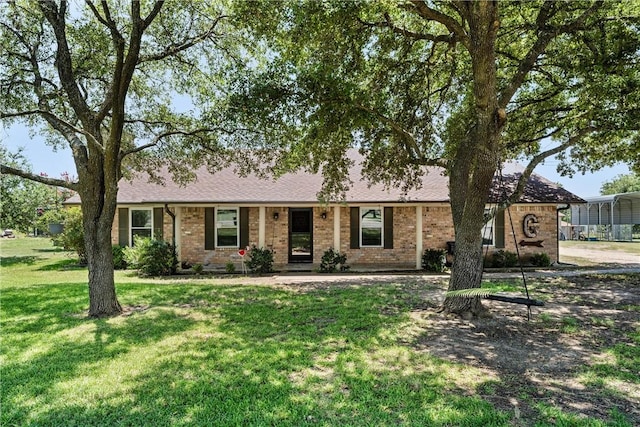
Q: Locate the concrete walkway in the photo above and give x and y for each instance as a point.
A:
(371, 277)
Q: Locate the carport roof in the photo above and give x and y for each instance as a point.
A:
(621, 208)
(614, 197)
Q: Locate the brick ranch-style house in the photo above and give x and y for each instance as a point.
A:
(212, 218)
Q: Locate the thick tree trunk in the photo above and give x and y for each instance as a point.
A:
(476, 160)
(102, 291)
(98, 211)
(467, 268)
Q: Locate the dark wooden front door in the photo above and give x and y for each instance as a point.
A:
(300, 235)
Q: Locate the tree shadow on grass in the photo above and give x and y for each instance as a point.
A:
(67, 355)
(51, 250)
(544, 370)
(246, 356)
(63, 264)
(10, 261)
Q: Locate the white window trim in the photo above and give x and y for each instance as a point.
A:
(131, 227)
(367, 208)
(216, 222)
(492, 224)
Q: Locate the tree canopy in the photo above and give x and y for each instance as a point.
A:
(460, 85)
(22, 201)
(396, 80)
(124, 85)
(621, 184)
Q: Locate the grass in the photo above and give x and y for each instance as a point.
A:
(191, 352)
(628, 247)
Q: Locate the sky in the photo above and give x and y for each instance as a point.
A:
(44, 159)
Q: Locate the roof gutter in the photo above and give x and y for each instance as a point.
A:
(173, 234)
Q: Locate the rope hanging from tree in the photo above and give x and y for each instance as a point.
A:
(528, 301)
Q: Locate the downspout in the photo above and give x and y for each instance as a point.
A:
(173, 232)
(558, 227)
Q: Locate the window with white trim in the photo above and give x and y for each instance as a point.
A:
(371, 227)
(489, 230)
(227, 228)
(141, 223)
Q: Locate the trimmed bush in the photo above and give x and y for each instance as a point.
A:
(260, 260)
(333, 261)
(434, 260)
(504, 258)
(119, 261)
(540, 259)
(151, 257)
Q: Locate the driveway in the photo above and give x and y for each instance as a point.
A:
(600, 256)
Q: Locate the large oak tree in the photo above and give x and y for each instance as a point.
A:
(464, 85)
(102, 78)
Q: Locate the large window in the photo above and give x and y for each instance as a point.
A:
(141, 223)
(371, 227)
(489, 230)
(227, 228)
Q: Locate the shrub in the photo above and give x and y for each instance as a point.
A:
(434, 260)
(333, 261)
(540, 259)
(260, 260)
(504, 258)
(230, 267)
(51, 216)
(151, 257)
(198, 268)
(119, 261)
(72, 237)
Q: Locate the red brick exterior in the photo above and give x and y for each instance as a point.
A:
(437, 226)
(437, 230)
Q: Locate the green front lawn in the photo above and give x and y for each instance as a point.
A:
(201, 353)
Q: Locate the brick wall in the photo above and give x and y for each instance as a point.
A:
(114, 229)
(402, 255)
(547, 231)
(437, 225)
(192, 236)
(437, 229)
(322, 232)
(276, 234)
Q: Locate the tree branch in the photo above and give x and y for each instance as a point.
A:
(38, 178)
(50, 117)
(167, 134)
(63, 63)
(185, 44)
(546, 35)
(387, 23)
(536, 160)
(421, 8)
(152, 15)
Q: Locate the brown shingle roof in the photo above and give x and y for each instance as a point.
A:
(226, 186)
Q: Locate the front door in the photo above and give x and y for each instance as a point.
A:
(301, 235)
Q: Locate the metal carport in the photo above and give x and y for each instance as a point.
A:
(608, 217)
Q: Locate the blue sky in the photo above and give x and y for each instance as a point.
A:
(44, 159)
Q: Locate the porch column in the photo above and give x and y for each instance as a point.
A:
(261, 226)
(178, 236)
(336, 228)
(419, 249)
